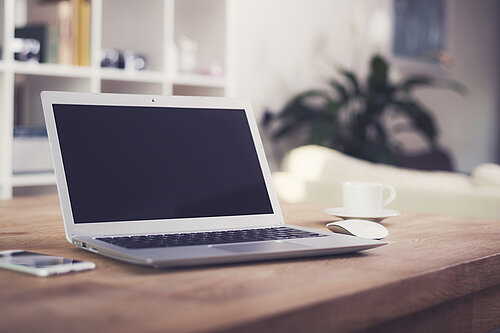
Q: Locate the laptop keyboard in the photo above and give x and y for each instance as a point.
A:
(209, 238)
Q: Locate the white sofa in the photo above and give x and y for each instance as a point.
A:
(314, 174)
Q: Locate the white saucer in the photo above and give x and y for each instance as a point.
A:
(383, 213)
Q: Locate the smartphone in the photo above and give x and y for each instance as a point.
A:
(41, 264)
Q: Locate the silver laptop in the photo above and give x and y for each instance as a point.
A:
(171, 181)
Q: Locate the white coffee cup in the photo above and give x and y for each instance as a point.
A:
(365, 199)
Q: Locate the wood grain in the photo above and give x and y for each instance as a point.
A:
(433, 267)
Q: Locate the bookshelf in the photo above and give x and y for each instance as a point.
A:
(151, 29)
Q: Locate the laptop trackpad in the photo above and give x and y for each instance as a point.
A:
(259, 247)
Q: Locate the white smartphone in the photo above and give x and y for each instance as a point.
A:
(41, 264)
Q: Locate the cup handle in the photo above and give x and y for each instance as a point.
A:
(392, 195)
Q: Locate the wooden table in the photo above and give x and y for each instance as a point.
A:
(438, 273)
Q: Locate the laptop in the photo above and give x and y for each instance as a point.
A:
(171, 181)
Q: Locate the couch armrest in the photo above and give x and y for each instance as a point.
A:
(486, 175)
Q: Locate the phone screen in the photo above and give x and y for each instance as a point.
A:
(34, 260)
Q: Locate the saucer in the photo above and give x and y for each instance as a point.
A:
(382, 213)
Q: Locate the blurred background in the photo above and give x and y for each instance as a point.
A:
(285, 47)
(266, 51)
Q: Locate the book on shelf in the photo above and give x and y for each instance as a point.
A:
(83, 33)
(64, 14)
(74, 32)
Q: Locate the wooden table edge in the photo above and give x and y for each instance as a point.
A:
(375, 307)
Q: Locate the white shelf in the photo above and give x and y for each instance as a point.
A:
(33, 179)
(132, 76)
(199, 80)
(54, 70)
(152, 33)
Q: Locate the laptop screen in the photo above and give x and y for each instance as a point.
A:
(129, 163)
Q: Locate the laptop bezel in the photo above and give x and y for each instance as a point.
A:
(73, 229)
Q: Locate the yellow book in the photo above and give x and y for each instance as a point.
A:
(65, 13)
(75, 30)
(84, 33)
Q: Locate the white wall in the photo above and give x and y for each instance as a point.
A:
(469, 125)
(284, 47)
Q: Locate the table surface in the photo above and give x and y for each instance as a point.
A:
(430, 261)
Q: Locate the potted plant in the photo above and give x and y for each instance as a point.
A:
(351, 117)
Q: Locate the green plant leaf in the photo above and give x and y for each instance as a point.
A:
(267, 118)
(314, 93)
(427, 81)
(341, 90)
(298, 113)
(456, 86)
(286, 129)
(320, 132)
(295, 109)
(420, 118)
(332, 110)
(381, 132)
(378, 77)
(378, 152)
(298, 106)
(351, 77)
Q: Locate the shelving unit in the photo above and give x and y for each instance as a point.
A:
(35, 179)
(149, 28)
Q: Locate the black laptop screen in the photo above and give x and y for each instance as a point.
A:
(125, 163)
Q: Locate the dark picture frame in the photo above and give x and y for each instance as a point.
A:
(419, 31)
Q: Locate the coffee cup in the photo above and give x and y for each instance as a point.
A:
(366, 199)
